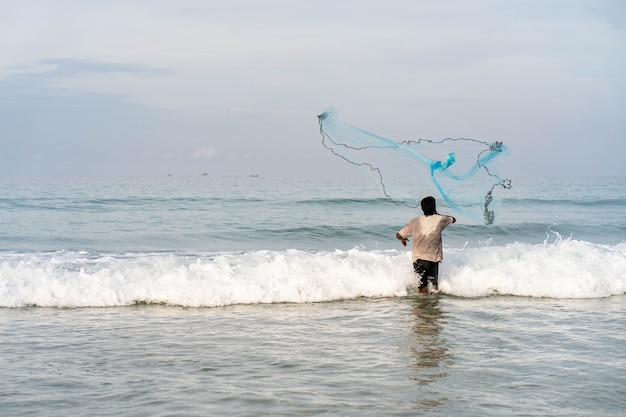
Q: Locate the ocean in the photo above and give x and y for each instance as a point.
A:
(252, 296)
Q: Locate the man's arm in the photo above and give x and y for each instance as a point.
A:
(401, 239)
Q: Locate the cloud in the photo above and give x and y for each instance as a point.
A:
(54, 68)
(74, 66)
(204, 153)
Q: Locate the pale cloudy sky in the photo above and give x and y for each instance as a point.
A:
(183, 87)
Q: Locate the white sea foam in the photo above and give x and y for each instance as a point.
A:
(562, 269)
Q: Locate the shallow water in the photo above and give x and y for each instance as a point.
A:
(433, 355)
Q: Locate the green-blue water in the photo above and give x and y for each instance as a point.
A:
(273, 296)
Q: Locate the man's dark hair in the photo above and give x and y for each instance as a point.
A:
(429, 207)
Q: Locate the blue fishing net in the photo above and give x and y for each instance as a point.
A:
(459, 171)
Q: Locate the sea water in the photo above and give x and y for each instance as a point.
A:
(188, 296)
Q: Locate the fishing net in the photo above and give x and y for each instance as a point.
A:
(459, 171)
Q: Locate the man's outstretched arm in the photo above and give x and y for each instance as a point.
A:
(401, 239)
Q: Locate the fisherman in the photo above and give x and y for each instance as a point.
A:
(427, 246)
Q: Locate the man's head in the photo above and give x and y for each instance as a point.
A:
(429, 206)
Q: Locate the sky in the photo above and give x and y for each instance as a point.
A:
(187, 87)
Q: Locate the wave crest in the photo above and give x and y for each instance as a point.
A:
(564, 268)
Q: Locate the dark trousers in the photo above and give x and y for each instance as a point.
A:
(427, 271)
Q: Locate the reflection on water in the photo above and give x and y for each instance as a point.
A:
(430, 348)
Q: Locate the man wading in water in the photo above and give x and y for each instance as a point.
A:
(427, 247)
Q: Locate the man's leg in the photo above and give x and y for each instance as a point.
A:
(433, 275)
(427, 271)
(420, 270)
